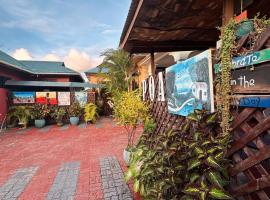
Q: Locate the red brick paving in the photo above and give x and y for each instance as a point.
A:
(48, 150)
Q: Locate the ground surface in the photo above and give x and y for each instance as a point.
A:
(69, 162)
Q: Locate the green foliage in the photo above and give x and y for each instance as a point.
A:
(119, 65)
(90, 112)
(223, 86)
(58, 114)
(20, 115)
(185, 164)
(129, 111)
(40, 111)
(75, 110)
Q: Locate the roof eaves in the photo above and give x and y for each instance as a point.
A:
(17, 67)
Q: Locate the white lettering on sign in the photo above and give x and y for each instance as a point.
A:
(243, 82)
(247, 60)
(151, 88)
(161, 95)
(144, 88)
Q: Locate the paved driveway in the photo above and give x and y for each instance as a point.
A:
(69, 162)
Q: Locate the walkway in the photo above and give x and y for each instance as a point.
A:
(69, 162)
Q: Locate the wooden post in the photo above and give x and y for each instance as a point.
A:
(153, 67)
(228, 11)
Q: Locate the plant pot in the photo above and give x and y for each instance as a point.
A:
(244, 28)
(126, 156)
(74, 120)
(39, 123)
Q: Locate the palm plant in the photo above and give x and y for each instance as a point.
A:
(19, 115)
(119, 66)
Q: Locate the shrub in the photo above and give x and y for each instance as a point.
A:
(90, 112)
(19, 115)
(75, 110)
(130, 111)
(40, 111)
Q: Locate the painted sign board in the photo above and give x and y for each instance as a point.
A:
(189, 85)
(248, 60)
(46, 98)
(81, 97)
(248, 81)
(63, 98)
(23, 97)
(255, 101)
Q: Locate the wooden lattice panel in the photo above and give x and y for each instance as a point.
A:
(250, 153)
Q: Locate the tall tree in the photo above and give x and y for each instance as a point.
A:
(119, 66)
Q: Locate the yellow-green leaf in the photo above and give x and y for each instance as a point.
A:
(219, 194)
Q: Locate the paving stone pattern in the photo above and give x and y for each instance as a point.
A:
(16, 184)
(65, 182)
(45, 128)
(112, 177)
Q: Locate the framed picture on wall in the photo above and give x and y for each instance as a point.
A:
(23, 97)
(46, 98)
(189, 85)
(63, 98)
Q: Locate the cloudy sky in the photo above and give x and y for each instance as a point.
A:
(73, 31)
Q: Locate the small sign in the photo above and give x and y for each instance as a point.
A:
(254, 101)
(63, 98)
(23, 97)
(251, 81)
(248, 60)
(46, 98)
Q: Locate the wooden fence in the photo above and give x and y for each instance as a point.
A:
(250, 151)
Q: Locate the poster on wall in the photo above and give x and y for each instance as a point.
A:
(46, 98)
(23, 97)
(63, 98)
(81, 97)
(189, 85)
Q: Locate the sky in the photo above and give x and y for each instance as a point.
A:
(73, 31)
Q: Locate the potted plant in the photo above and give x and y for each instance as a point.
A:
(90, 113)
(75, 111)
(39, 113)
(58, 114)
(129, 111)
(20, 115)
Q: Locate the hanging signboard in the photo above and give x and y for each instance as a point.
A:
(46, 98)
(248, 60)
(255, 101)
(23, 97)
(81, 97)
(189, 85)
(248, 81)
(63, 98)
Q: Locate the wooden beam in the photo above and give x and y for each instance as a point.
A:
(228, 11)
(131, 24)
(153, 67)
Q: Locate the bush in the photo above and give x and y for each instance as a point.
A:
(130, 111)
(19, 115)
(90, 112)
(75, 110)
(40, 111)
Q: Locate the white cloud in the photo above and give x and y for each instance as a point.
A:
(110, 31)
(80, 61)
(22, 54)
(51, 57)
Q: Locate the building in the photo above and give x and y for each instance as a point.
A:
(16, 75)
(94, 75)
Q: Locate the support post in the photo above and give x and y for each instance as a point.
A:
(228, 11)
(153, 67)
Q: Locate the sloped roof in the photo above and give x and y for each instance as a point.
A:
(36, 67)
(97, 70)
(47, 67)
(8, 60)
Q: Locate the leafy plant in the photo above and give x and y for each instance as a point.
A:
(90, 112)
(185, 164)
(19, 115)
(129, 111)
(75, 110)
(40, 111)
(58, 114)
